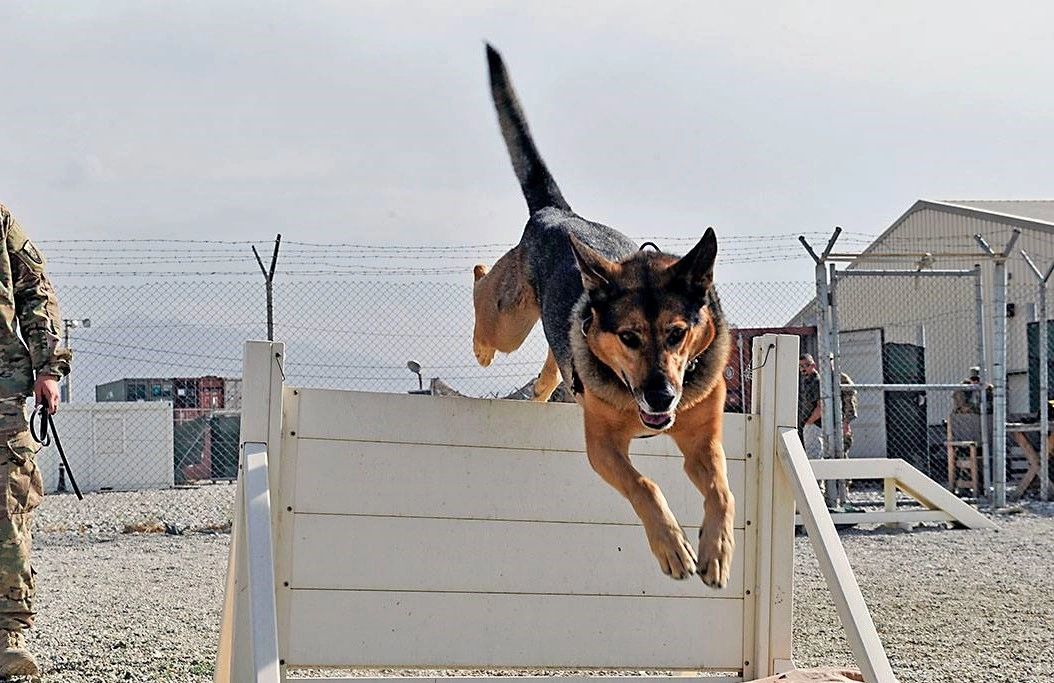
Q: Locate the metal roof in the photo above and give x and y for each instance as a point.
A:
(1029, 209)
(1029, 214)
(988, 209)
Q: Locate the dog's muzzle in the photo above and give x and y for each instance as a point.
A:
(650, 399)
(656, 407)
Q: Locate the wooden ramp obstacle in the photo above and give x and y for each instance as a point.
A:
(397, 531)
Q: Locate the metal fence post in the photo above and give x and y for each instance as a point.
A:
(269, 284)
(823, 343)
(982, 362)
(836, 379)
(1044, 419)
(999, 367)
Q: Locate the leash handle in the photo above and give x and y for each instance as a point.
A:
(41, 436)
(44, 437)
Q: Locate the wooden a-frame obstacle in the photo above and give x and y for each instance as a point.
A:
(397, 531)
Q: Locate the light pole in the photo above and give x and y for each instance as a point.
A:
(67, 387)
(67, 325)
(415, 367)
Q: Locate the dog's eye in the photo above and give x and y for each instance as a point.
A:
(675, 336)
(630, 339)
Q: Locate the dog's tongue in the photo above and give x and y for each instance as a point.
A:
(654, 420)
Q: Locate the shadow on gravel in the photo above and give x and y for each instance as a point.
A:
(873, 531)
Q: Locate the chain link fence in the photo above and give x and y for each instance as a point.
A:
(927, 310)
(169, 341)
(931, 338)
(155, 395)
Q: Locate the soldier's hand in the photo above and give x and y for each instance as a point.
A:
(46, 392)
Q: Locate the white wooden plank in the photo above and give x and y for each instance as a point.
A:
(282, 501)
(889, 493)
(452, 420)
(562, 678)
(774, 397)
(230, 611)
(459, 630)
(275, 414)
(258, 534)
(849, 602)
(235, 657)
(481, 556)
(855, 468)
(341, 477)
(238, 654)
(747, 508)
(933, 495)
(256, 391)
(892, 518)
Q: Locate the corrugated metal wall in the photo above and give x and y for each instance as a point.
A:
(946, 308)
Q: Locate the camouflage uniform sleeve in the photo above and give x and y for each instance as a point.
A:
(36, 306)
(850, 401)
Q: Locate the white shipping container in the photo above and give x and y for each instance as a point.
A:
(112, 446)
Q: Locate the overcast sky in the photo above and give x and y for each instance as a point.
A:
(371, 121)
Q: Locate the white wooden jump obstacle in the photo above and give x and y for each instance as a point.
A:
(936, 504)
(396, 531)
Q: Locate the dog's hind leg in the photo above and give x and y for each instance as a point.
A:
(548, 379)
(505, 305)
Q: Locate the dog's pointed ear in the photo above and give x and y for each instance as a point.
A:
(695, 270)
(479, 272)
(596, 270)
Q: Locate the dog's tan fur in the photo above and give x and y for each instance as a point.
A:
(505, 304)
(611, 413)
(506, 311)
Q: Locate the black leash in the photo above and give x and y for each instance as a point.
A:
(44, 436)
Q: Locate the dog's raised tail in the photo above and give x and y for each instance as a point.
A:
(538, 185)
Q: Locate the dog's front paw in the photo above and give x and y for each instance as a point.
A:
(673, 551)
(716, 547)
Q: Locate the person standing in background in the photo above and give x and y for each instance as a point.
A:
(809, 411)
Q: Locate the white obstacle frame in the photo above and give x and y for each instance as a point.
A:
(939, 504)
(392, 531)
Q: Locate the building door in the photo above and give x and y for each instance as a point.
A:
(906, 410)
(860, 357)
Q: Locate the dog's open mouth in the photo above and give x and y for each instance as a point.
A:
(656, 420)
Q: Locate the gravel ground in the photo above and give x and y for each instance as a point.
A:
(951, 605)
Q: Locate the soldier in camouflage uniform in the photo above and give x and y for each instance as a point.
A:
(31, 363)
(850, 405)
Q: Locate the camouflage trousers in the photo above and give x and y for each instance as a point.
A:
(23, 489)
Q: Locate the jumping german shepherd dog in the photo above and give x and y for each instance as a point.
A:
(638, 335)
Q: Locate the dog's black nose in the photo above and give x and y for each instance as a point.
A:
(659, 400)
